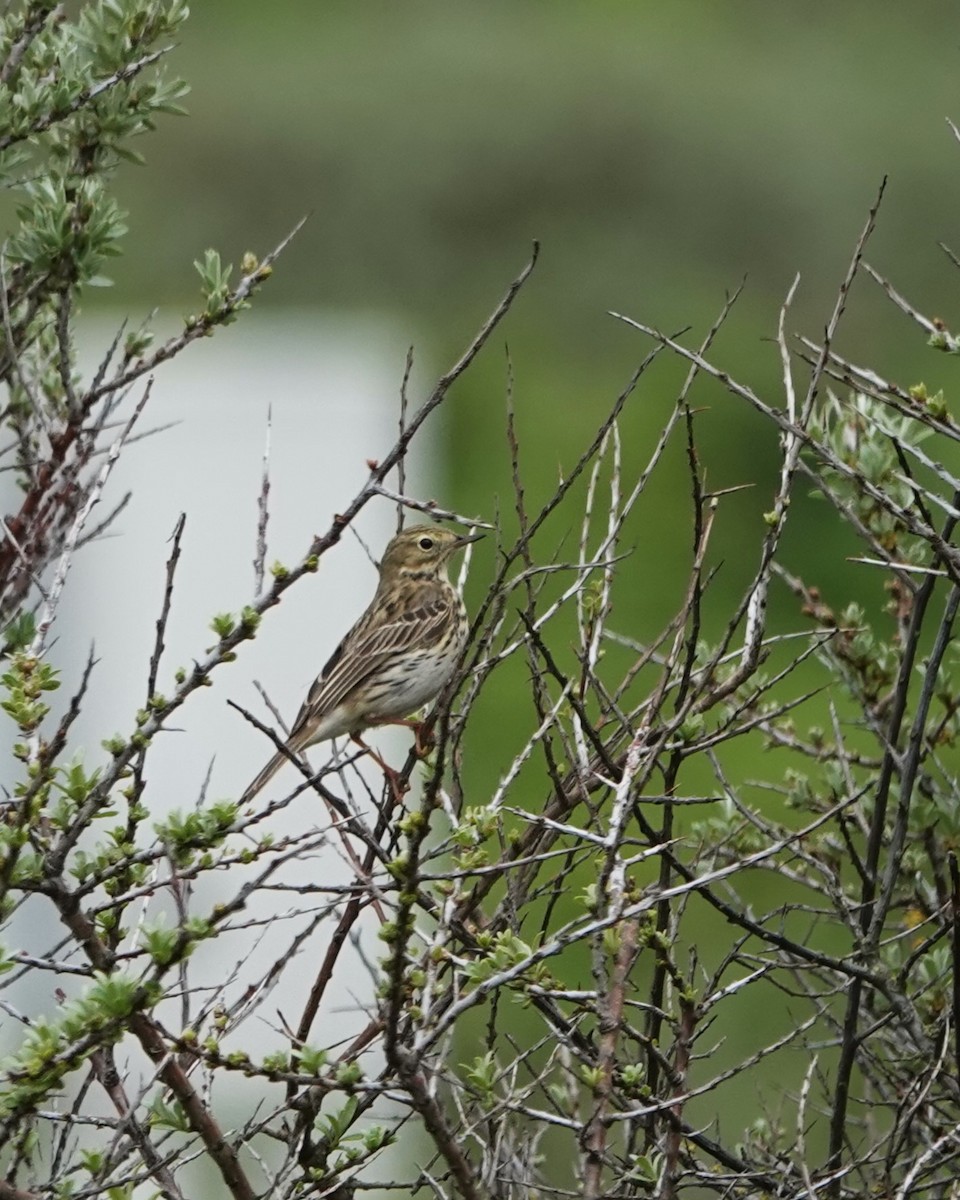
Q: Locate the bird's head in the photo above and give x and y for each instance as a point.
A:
(422, 550)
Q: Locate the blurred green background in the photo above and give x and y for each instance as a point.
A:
(660, 152)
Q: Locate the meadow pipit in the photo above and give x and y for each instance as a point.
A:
(399, 654)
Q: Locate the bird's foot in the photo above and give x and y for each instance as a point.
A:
(424, 742)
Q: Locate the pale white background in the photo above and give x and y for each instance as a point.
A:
(334, 390)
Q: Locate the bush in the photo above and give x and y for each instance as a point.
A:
(584, 968)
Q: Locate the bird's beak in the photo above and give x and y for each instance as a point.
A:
(467, 539)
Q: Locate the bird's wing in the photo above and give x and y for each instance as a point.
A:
(380, 635)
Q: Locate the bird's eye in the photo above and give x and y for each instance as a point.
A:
(425, 543)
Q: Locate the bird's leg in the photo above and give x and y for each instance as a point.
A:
(423, 734)
(397, 785)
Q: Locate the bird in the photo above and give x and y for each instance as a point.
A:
(399, 654)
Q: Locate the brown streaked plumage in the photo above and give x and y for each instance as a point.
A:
(399, 654)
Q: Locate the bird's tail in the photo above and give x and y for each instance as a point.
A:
(261, 781)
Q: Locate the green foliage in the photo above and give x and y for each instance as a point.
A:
(249, 620)
(75, 783)
(25, 681)
(278, 1061)
(168, 1115)
(482, 1074)
(52, 1049)
(166, 945)
(646, 1168)
(215, 283)
(312, 1059)
(67, 225)
(223, 624)
(334, 1126)
(82, 94)
(184, 834)
(19, 633)
(864, 435)
(348, 1074)
(501, 952)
